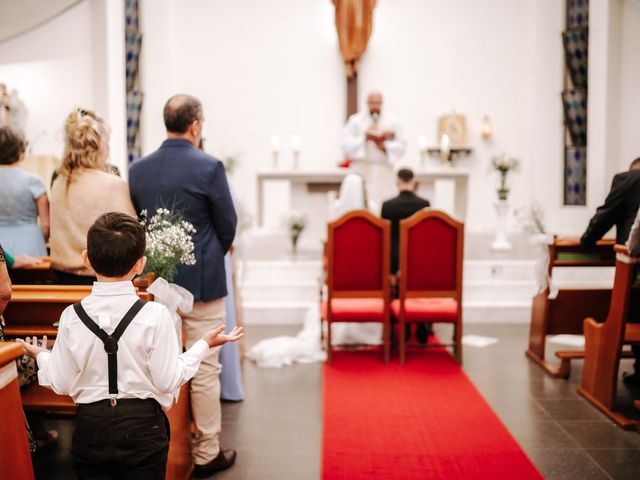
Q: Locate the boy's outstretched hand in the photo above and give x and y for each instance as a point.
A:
(31, 345)
(217, 337)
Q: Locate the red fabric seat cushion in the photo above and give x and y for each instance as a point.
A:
(355, 310)
(427, 309)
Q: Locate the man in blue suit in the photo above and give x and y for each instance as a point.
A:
(184, 179)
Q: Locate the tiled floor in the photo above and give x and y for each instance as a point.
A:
(277, 429)
(564, 435)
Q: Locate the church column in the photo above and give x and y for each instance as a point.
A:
(604, 98)
(109, 68)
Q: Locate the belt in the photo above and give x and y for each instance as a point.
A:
(120, 402)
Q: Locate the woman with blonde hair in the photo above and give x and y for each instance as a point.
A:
(84, 189)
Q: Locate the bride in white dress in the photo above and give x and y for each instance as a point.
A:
(352, 197)
(306, 346)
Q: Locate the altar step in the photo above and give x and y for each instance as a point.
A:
(281, 291)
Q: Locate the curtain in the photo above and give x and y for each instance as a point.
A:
(133, 43)
(576, 45)
(354, 23)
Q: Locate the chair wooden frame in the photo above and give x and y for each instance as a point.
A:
(382, 293)
(604, 342)
(404, 293)
(565, 313)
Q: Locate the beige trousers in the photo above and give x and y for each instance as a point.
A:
(205, 385)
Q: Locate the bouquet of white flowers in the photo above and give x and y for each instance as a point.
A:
(169, 243)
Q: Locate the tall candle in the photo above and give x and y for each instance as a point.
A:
(275, 144)
(445, 145)
(422, 143)
(296, 142)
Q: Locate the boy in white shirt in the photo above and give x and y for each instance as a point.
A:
(119, 359)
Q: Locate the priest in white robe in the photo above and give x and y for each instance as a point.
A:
(374, 141)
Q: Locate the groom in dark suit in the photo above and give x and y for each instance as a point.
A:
(178, 176)
(620, 209)
(398, 208)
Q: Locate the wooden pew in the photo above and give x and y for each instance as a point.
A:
(39, 273)
(15, 457)
(34, 309)
(604, 341)
(565, 313)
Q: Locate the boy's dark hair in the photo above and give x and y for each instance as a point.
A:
(405, 175)
(115, 242)
(12, 145)
(180, 111)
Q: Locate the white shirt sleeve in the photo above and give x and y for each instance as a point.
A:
(168, 368)
(57, 369)
(353, 141)
(396, 148)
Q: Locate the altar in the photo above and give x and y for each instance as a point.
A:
(312, 191)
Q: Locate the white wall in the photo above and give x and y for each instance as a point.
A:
(264, 68)
(69, 62)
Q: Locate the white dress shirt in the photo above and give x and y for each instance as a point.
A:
(356, 147)
(150, 364)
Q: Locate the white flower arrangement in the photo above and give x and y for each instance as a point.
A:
(531, 218)
(169, 243)
(296, 221)
(504, 165)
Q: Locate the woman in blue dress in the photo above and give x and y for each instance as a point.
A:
(23, 200)
(231, 375)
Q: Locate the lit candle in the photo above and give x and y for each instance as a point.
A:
(296, 142)
(275, 144)
(422, 148)
(275, 148)
(422, 144)
(487, 129)
(445, 146)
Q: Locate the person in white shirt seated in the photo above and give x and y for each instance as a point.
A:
(119, 359)
(374, 142)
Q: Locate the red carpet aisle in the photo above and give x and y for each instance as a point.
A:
(422, 421)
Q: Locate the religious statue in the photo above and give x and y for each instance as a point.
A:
(453, 125)
(12, 111)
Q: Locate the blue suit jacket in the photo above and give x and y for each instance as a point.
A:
(181, 178)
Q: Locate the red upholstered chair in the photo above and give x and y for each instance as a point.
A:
(430, 277)
(358, 273)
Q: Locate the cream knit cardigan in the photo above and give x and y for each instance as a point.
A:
(73, 210)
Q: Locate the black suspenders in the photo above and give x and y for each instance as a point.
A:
(110, 341)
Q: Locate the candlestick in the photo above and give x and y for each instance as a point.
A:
(296, 142)
(445, 148)
(275, 150)
(422, 148)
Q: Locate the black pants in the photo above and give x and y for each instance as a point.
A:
(129, 441)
